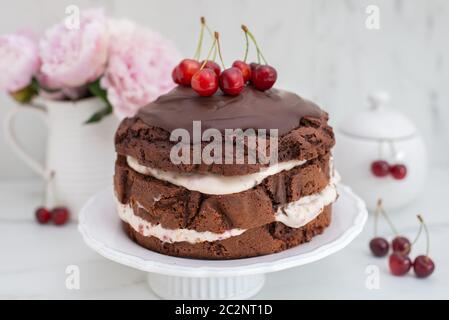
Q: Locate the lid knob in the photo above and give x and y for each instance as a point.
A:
(378, 99)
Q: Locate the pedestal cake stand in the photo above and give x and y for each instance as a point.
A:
(180, 278)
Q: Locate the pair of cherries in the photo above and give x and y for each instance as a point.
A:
(206, 77)
(399, 261)
(59, 215)
(382, 168)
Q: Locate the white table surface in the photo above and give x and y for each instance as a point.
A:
(33, 258)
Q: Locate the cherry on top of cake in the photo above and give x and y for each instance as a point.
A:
(271, 109)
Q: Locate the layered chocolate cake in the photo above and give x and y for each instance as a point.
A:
(225, 210)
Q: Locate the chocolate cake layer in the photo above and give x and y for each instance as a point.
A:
(302, 126)
(266, 239)
(176, 207)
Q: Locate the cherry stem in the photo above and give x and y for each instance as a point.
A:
(246, 47)
(217, 41)
(200, 40)
(423, 224)
(209, 53)
(376, 216)
(214, 56)
(418, 235)
(390, 223)
(259, 52)
(211, 34)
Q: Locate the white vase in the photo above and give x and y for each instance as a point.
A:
(79, 157)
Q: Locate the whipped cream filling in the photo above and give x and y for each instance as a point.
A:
(298, 213)
(294, 214)
(213, 183)
(148, 229)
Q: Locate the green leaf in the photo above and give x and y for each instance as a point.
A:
(96, 90)
(25, 95)
(35, 85)
(97, 116)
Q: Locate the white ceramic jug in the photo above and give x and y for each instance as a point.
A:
(79, 157)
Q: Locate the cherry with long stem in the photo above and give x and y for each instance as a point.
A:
(242, 65)
(253, 39)
(400, 244)
(231, 81)
(379, 246)
(423, 265)
(205, 80)
(264, 76)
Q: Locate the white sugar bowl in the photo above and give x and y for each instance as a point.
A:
(380, 154)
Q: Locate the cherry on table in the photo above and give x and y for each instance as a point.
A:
(398, 171)
(244, 68)
(401, 245)
(205, 82)
(231, 81)
(43, 215)
(380, 168)
(264, 77)
(60, 215)
(212, 65)
(423, 266)
(379, 246)
(399, 264)
(184, 71)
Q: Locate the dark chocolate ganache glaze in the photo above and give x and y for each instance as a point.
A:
(272, 109)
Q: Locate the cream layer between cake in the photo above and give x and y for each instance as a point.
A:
(294, 214)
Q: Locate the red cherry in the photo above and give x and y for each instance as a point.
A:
(231, 81)
(60, 215)
(380, 168)
(264, 77)
(185, 71)
(43, 215)
(205, 82)
(399, 264)
(401, 245)
(423, 266)
(212, 65)
(398, 171)
(174, 75)
(245, 68)
(253, 66)
(379, 246)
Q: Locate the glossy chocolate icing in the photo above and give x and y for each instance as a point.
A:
(272, 109)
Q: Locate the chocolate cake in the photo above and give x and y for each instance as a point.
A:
(225, 210)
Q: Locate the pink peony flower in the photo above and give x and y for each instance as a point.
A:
(75, 57)
(19, 61)
(139, 67)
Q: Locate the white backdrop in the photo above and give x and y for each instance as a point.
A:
(321, 49)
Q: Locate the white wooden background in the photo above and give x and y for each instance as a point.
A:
(321, 49)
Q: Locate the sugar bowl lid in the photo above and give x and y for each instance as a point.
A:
(378, 122)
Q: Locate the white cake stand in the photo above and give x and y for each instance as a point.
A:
(180, 278)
